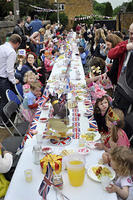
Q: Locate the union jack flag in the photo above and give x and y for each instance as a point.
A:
(46, 183)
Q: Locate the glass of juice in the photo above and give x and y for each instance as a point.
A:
(28, 175)
(76, 170)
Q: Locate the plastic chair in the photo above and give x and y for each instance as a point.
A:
(11, 96)
(19, 128)
(19, 90)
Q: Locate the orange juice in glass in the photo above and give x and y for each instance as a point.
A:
(76, 172)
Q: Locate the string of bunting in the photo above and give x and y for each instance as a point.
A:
(90, 17)
(39, 9)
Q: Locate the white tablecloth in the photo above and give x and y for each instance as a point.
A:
(19, 189)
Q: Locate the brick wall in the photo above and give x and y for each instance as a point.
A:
(125, 19)
(76, 7)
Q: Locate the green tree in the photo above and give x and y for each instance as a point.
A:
(116, 10)
(129, 7)
(98, 8)
(5, 7)
(108, 9)
(63, 18)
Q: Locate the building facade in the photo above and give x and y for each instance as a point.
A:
(74, 8)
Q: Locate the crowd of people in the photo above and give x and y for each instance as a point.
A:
(107, 59)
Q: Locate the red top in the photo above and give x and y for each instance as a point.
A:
(119, 52)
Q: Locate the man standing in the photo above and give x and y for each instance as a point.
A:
(123, 96)
(18, 29)
(26, 26)
(7, 61)
(35, 25)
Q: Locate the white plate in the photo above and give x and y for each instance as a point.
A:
(92, 175)
(96, 138)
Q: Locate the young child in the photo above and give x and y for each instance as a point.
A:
(118, 137)
(82, 55)
(29, 78)
(100, 110)
(95, 79)
(30, 102)
(115, 124)
(122, 163)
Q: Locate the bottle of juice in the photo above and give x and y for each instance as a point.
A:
(76, 170)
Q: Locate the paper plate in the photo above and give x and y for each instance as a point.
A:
(92, 175)
(96, 137)
(61, 141)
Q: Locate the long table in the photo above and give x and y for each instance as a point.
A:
(19, 189)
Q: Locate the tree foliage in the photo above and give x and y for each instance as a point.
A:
(108, 9)
(98, 8)
(103, 8)
(25, 8)
(63, 18)
(129, 7)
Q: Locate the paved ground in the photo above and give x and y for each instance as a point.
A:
(3, 134)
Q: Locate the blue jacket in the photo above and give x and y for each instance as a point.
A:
(35, 25)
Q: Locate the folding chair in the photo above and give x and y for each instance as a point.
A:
(19, 128)
(19, 90)
(11, 96)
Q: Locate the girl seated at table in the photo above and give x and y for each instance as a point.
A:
(122, 163)
(30, 102)
(115, 124)
(95, 77)
(101, 108)
(118, 137)
(29, 78)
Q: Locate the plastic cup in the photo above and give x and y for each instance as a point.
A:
(39, 139)
(28, 175)
(82, 142)
(105, 181)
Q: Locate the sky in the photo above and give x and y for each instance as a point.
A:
(114, 3)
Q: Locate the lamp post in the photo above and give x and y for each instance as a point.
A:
(16, 9)
(58, 16)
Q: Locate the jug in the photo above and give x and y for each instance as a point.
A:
(76, 169)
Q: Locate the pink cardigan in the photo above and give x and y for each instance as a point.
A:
(122, 138)
(48, 64)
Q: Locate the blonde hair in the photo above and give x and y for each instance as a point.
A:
(119, 123)
(123, 157)
(48, 26)
(41, 30)
(99, 34)
(35, 85)
(27, 75)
